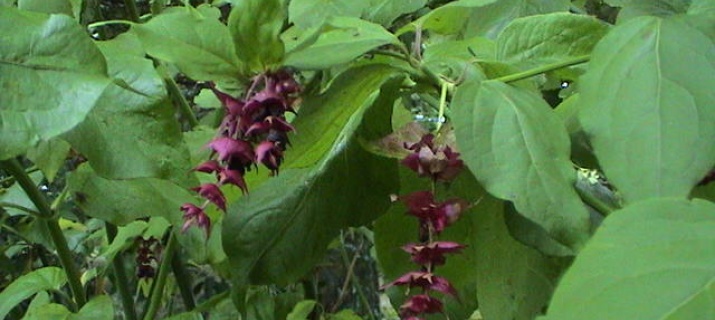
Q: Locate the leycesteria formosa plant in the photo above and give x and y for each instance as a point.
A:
(440, 164)
(254, 130)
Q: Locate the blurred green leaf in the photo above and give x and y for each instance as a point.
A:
(636, 8)
(47, 278)
(652, 260)
(302, 310)
(519, 150)
(47, 6)
(345, 40)
(311, 13)
(199, 45)
(99, 308)
(49, 156)
(255, 26)
(485, 18)
(51, 74)
(648, 107)
(386, 11)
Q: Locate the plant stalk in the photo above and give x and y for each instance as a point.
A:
(63, 251)
(183, 279)
(120, 274)
(543, 69)
(158, 291)
(178, 98)
(132, 12)
(596, 203)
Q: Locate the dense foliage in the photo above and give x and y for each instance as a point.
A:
(497, 159)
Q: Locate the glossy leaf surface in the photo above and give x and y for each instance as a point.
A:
(255, 26)
(48, 278)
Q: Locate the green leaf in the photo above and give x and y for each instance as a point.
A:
(550, 37)
(457, 59)
(519, 150)
(51, 74)
(345, 40)
(486, 18)
(702, 7)
(255, 26)
(100, 307)
(302, 310)
(140, 136)
(386, 11)
(635, 8)
(652, 260)
(49, 156)
(48, 278)
(327, 183)
(647, 106)
(310, 13)
(16, 196)
(515, 281)
(396, 228)
(47, 6)
(198, 45)
(123, 201)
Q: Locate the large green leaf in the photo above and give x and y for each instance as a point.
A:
(99, 308)
(702, 7)
(133, 133)
(46, 6)
(515, 281)
(470, 18)
(396, 228)
(344, 40)
(48, 278)
(51, 75)
(635, 8)
(311, 13)
(255, 26)
(49, 156)
(519, 150)
(549, 37)
(385, 11)
(648, 107)
(328, 182)
(196, 42)
(651, 260)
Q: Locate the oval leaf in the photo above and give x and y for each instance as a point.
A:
(255, 26)
(652, 260)
(345, 40)
(51, 74)
(549, 37)
(648, 107)
(48, 278)
(199, 45)
(519, 150)
(311, 13)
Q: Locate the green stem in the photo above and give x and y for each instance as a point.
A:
(63, 251)
(108, 22)
(132, 12)
(19, 207)
(183, 279)
(442, 106)
(596, 203)
(11, 179)
(351, 275)
(158, 291)
(543, 69)
(120, 274)
(178, 98)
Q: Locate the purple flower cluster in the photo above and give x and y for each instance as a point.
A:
(254, 130)
(440, 164)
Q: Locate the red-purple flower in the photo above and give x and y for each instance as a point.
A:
(419, 304)
(212, 193)
(270, 155)
(431, 253)
(194, 215)
(422, 205)
(232, 149)
(424, 280)
(429, 160)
